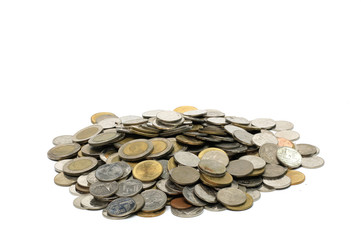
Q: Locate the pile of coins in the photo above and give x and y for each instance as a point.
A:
(187, 158)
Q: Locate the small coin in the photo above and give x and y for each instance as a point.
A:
(243, 137)
(183, 109)
(279, 183)
(109, 172)
(246, 205)
(95, 116)
(175, 188)
(106, 215)
(180, 203)
(237, 120)
(147, 171)
(63, 151)
(268, 152)
(205, 193)
(254, 193)
(258, 163)
(162, 147)
(250, 182)
(78, 166)
(83, 135)
(189, 195)
(231, 196)
(288, 134)
(91, 203)
(169, 116)
(63, 139)
(306, 150)
(214, 154)
(184, 175)
(186, 159)
(129, 188)
(283, 126)
(58, 166)
(154, 200)
(103, 189)
(264, 123)
(176, 146)
(151, 214)
(105, 138)
(274, 171)
(312, 162)
(224, 181)
(63, 180)
(212, 168)
(187, 213)
(135, 149)
(289, 157)
(296, 177)
(283, 142)
(121, 207)
(260, 139)
(135, 121)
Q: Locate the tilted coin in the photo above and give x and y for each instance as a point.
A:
(110, 122)
(182, 139)
(289, 157)
(161, 186)
(231, 196)
(139, 202)
(187, 213)
(151, 113)
(58, 166)
(135, 149)
(109, 172)
(77, 201)
(176, 146)
(205, 193)
(274, 171)
(230, 128)
(106, 215)
(83, 135)
(217, 121)
(243, 137)
(73, 190)
(63, 139)
(149, 185)
(224, 181)
(268, 152)
(215, 207)
(151, 214)
(135, 121)
(312, 162)
(173, 187)
(264, 188)
(214, 154)
(214, 113)
(113, 158)
(63, 180)
(260, 139)
(188, 193)
(162, 147)
(78, 166)
(186, 159)
(90, 151)
(105, 153)
(165, 172)
(183, 109)
(180, 203)
(254, 193)
(283, 125)
(103, 189)
(81, 189)
(258, 163)
(250, 182)
(105, 138)
(129, 188)
(171, 164)
(121, 207)
(91, 177)
(82, 180)
(169, 116)
(91, 203)
(118, 144)
(95, 116)
(296, 177)
(148, 170)
(306, 150)
(154, 200)
(283, 142)
(256, 172)
(212, 168)
(240, 168)
(288, 134)
(237, 120)
(264, 123)
(278, 183)
(63, 151)
(195, 113)
(246, 205)
(184, 175)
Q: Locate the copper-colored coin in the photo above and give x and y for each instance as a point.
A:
(295, 176)
(171, 163)
(248, 204)
(148, 170)
(95, 116)
(151, 214)
(189, 140)
(217, 181)
(63, 180)
(183, 109)
(283, 142)
(180, 203)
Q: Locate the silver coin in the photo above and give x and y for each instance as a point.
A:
(73, 191)
(173, 187)
(237, 120)
(217, 121)
(289, 157)
(106, 215)
(189, 195)
(165, 173)
(121, 207)
(161, 186)
(77, 201)
(154, 200)
(243, 137)
(264, 123)
(60, 164)
(195, 113)
(257, 162)
(184, 175)
(91, 203)
(216, 155)
(109, 172)
(151, 113)
(231, 128)
(242, 188)
(312, 162)
(250, 182)
(215, 207)
(110, 122)
(186, 159)
(283, 126)
(139, 202)
(205, 193)
(136, 121)
(274, 171)
(90, 151)
(63, 139)
(129, 118)
(288, 134)
(83, 135)
(82, 180)
(127, 169)
(103, 189)
(147, 185)
(279, 183)
(169, 116)
(255, 194)
(240, 168)
(105, 138)
(105, 153)
(214, 113)
(231, 196)
(268, 152)
(187, 213)
(212, 168)
(91, 177)
(260, 139)
(306, 150)
(129, 188)
(264, 188)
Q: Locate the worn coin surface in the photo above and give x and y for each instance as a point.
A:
(231, 196)
(282, 125)
(260, 139)
(82, 180)
(257, 162)
(103, 189)
(186, 159)
(187, 213)
(296, 177)
(254, 193)
(121, 207)
(264, 123)
(268, 152)
(278, 183)
(78, 166)
(148, 170)
(63, 180)
(289, 157)
(129, 188)
(105, 138)
(184, 175)
(246, 205)
(212, 168)
(214, 154)
(205, 193)
(83, 135)
(274, 171)
(306, 150)
(188, 193)
(109, 172)
(90, 203)
(110, 122)
(312, 162)
(180, 203)
(135, 149)
(154, 200)
(288, 134)
(63, 139)
(243, 137)
(63, 151)
(250, 182)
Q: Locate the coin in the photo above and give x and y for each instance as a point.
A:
(135, 121)
(60, 164)
(176, 146)
(264, 123)
(274, 171)
(161, 186)
(312, 162)
(77, 201)
(135, 149)
(262, 138)
(81, 189)
(91, 177)
(180, 203)
(231, 196)
(243, 137)
(169, 116)
(214, 113)
(237, 120)
(214, 154)
(240, 168)
(288, 134)
(103, 189)
(154, 200)
(78, 166)
(258, 163)
(148, 170)
(254, 193)
(182, 139)
(283, 126)
(215, 207)
(151, 113)
(63, 151)
(118, 144)
(83, 135)
(279, 183)
(171, 164)
(250, 182)
(188, 194)
(195, 113)
(296, 177)
(82, 180)
(289, 157)
(184, 175)
(111, 122)
(268, 152)
(105, 153)
(129, 188)
(224, 181)
(162, 147)
(90, 151)
(121, 207)
(205, 193)
(248, 204)
(105, 138)
(187, 213)
(151, 214)
(186, 159)
(212, 168)
(183, 109)
(63, 180)
(95, 116)
(63, 139)
(73, 190)
(264, 188)
(306, 150)
(217, 121)
(109, 172)
(90, 203)
(165, 172)
(283, 142)
(139, 201)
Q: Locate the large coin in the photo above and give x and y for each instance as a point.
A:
(214, 154)
(212, 168)
(231, 196)
(162, 147)
(243, 137)
(279, 183)
(103, 189)
(288, 134)
(109, 172)
(258, 163)
(306, 150)
(289, 157)
(78, 166)
(268, 152)
(186, 159)
(135, 149)
(154, 200)
(205, 193)
(63, 151)
(83, 135)
(184, 175)
(121, 207)
(148, 170)
(129, 188)
(188, 193)
(312, 162)
(187, 213)
(240, 168)
(105, 138)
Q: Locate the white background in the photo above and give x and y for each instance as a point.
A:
(62, 61)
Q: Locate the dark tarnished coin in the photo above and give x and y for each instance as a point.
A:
(274, 171)
(188, 193)
(243, 137)
(63, 139)
(180, 203)
(231, 196)
(63, 151)
(78, 166)
(278, 183)
(205, 193)
(162, 147)
(109, 172)
(187, 213)
(83, 135)
(240, 168)
(135, 149)
(105, 138)
(258, 163)
(103, 189)
(306, 150)
(289, 157)
(212, 168)
(184, 175)
(250, 182)
(129, 188)
(121, 207)
(268, 152)
(154, 200)
(186, 159)
(312, 162)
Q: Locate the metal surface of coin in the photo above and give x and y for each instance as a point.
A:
(283, 126)
(250, 182)
(296, 177)
(151, 113)
(274, 171)
(81, 189)
(151, 214)
(113, 158)
(188, 193)
(260, 139)
(129, 188)
(189, 140)
(63, 180)
(214, 154)
(312, 162)
(254, 193)
(103, 189)
(91, 177)
(306, 150)
(187, 213)
(268, 152)
(180, 203)
(165, 172)
(78, 166)
(77, 201)
(83, 135)
(217, 121)
(58, 166)
(231, 196)
(215, 207)
(288, 134)
(90, 203)
(90, 151)
(82, 180)
(154, 200)
(161, 185)
(63, 151)
(121, 207)
(212, 168)
(264, 188)
(105, 138)
(279, 183)
(169, 116)
(289, 157)
(248, 204)
(73, 190)
(107, 152)
(214, 113)
(63, 139)
(224, 181)
(240, 168)
(110, 122)
(258, 163)
(171, 164)
(135, 121)
(283, 142)
(195, 113)
(135, 149)
(148, 170)
(109, 172)
(264, 123)
(243, 137)
(230, 128)
(205, 193)
(237, 120)
(139, 202)
(106, 215)
(162, 147)
(184, 175)
(96, 116)
(186, 159)
(176, 146)
(183, 109)
(173, 187)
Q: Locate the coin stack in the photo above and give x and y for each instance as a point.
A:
(187, 158)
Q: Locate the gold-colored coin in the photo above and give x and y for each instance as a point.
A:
(83, 135)
(200, 155)
(256, 172)
(63, 151)
(248, 204)
(217, 181)
(196, 127)
(151, 214)
(63, 180)
(295, 176)
(148, 170)
(136, 149)
(183, 109)
(95, 116)
(162, 147)
(189, 140)
(80, 154)
(171, 163)
(78, 166)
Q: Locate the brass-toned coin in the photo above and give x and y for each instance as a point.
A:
(78, 166)
(180, 203)
(95, 116)
(224, 181)
(176, 146)
(63, 151)
(183, 109)
(256, 172)
(148, 170)
(63, 139)
(83, 135)
(248, 204)
(61, 179)
(135, 149)
(182, 139)
(171, 163)
(184, 175)
(214, 154)
(283, 142)
(162, 147)
(151, 214)
(105, 138)
(295, 176)
(90, 151)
